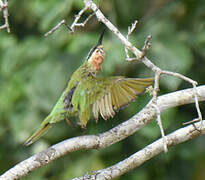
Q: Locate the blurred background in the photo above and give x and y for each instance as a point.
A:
(34, 70)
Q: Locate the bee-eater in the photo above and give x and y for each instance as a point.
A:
(87, 92)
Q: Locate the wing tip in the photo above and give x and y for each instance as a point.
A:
(28, 142)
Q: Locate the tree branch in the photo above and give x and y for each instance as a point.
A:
(4, 9)
(150, 151)
(110, 137)
(130, 30)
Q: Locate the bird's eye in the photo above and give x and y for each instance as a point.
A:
(100, 51)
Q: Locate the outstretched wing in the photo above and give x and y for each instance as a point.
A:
(119, 93)
(106, 95)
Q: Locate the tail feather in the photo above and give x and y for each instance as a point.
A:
(37, 134)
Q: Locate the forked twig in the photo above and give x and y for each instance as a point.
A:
(57, 27)
(130, 30)
(158, 113)
(83, 23)
(74, 24)
(146, 47)
(4, 9)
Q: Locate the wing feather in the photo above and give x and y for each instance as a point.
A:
(106, 106)
(106, 96)
(102, 107)
(118, 92)
(110, 106)
(95, 110)
(114, 94)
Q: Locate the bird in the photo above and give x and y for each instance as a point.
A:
(86, 92)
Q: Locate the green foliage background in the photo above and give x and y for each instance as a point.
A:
(34, 71)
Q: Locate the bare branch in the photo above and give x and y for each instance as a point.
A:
(57, 27)
(194, 83)
(74, 24)
(86, 20)
(197, 102)
(197, 108)
(4, 9)
(78, 16)
(130, 30)
(158, 113)
(146, 47)
(150, 151)
(108, 138)
(179, 76)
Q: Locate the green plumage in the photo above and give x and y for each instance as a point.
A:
(86, 92)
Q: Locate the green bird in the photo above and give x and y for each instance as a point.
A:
(87, 92)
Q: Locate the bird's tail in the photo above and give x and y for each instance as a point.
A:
(37, 134)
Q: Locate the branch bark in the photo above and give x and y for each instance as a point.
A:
(114, 135)
(150, 151)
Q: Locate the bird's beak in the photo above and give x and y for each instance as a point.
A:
(101, 37)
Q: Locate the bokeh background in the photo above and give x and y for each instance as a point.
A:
(34, 70)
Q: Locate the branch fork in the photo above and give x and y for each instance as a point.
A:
(74, 24)
(4, 9)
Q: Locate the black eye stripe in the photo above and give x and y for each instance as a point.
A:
(100, 50)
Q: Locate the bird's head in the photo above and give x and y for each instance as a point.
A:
(96, 55)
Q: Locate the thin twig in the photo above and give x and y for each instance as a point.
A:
(77, 17)
(57, 27)
(190, 122)
(86, 20)
(197, 108)
(130, 30)
(197, 103)
(74, 24)
(175, 74)
(4, 8)
(159, 122)
(146, 47)
(158, 113)
(194, 83)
